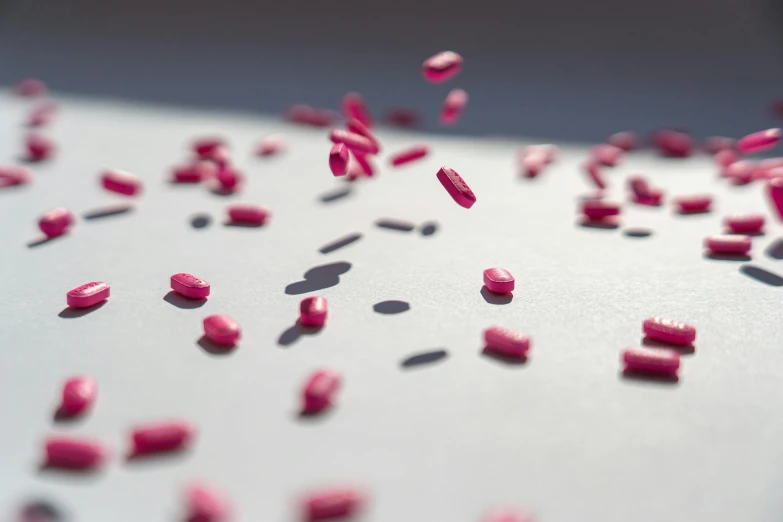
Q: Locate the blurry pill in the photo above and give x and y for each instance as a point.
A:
(30, 88)
(546, 151)
(39, 147)
(442, 66)
(402, 117)
(453, 106)
(356, 142)
(206, 147)
(204, 503)
(270, 146)
(338, 159)
(320, 391)
(189, 286)
(653, 198)
(666, 331)
(745, 223)
(42, 114)
(507, 515)
(222, 330)
(740, 172)
(624, 140)
(775, 193)
(408, 155)
(673, 143)
(597, 210)
(357, 127)
(194, 172)
(248, 214)
(353, 106)
(307, 115)
(87, 295)
(498, 280)
(456, 187)
(694, 204)
(759, 141)
(658, 361)
(332, 503)
(639, 186)
(716, 144)
(594, 173)
(78, 395)
(56, 222)
(607, 155)
(14, 175)
(74, 453)
(121, 182)
(161, 437)
(726, 157)
(312, 311)
(365, 164)
(731, 244)
(506, 342)
(228, 177)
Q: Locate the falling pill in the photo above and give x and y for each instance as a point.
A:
(338, 159)
(456, 187)
(745, 223)
(453, 106)
(247, 214)
(205, 503)
(414, 153)
(759, 141)
(121, 182)
(56, 222)
(313, 311)
(441, 67)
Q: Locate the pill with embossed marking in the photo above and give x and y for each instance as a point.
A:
(222, 330)
(731, 244)
(189, 286)
(78, 395)
(88, 295)
(667, 331)
(498, 280)
(121, 182)
(56, 222)
(161, 437)
(775, 193)
(320, 390)
(74, 453)
(456, 187)
(652, 361)
(506, 342)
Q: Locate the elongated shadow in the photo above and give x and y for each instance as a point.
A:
(429, 228)
(645, 378)
(496, 299)
(421, 359)
(60, 416)
(335, 195)
(608, 223)
(114, 210)
(318, 278)
(213, 348)
(340, 243)
(41, 511)
(503, 359)
(761, 275)
(73, 313)
(183, 302)
(292, 334)
(391, 307)
(638, 232)
(682, 350)
(395, 224)
(200, 221)
(35, 243)
(726, 257)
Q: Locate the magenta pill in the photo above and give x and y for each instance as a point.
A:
(74, 453)
(653, 198)
(740, 172)
(248, 214)
(320, 391)
(161, 437)
(729, 244)
(355, 142)
(596, 210)
(222, 330)
(507, 515)
(189, 286)
(39, 147)
(673, 143)
(338, 159)
(228, 177)
(694, 204)
(402, 117)
(546, 152)
(206, 147)
(332, 503)
(307, 115)
(354, 107)
(357, 127)
(270, 146)
(121, 182)
(745, 223)
(312, 311)
(78, 395)
(56, 222)
(759, 141)
(408, 155)
(716, 144)
(204, 503)
(441, 67)
(30, 88)
(13, 175)
(594, 173)
(623, 140)
(365, 165)
(456, 187)
(726, 157)
(607, 155)
(88, 295)
(531, 165)
(639, 186)
(453, 106)
(42, 114)
(498, 280)
(658, 361)
(506, 342)
(194, 172)
(775, 193)
(666, 331)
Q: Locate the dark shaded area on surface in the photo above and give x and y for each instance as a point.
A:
(496, 299)
(638, 232)
(340, 243)
(73, 313)
(104, 212)
(503, 359)
(775, 249)
(391, 307)
(40, 510)
(212, 348)
(429, 228)
(603, 224)
(762, 276)
(666, 380)
(318, 278)
(60, 416)
(335, 195)
(200, 221)
(421, 359)
(682, 350)
(35, 243)
(183, 302)
(292, 334)
(395, 224)
(240, 224)
(726, 257)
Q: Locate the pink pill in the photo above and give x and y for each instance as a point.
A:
(456, 187)
(596, 210)
(775, 193)
(652, 199)
(441, 67)
(766, 167)
(507, 515)
(745, 223)
(531, 165)
(56, 222)
(357, 127)
(453, 106)
(161, 437)
(401, 117)
(194, 172)
(189, 286)
(13, 175)
(220, 156)
(716, 144)
(206, 147)
(78, 395)
(307, 115)
(312, 311)
(353, 106)
(759, 141)
(248, 214)
(673, 143)
(623, 140)
(121, 182)
(639, 186)
(498, 280)
(73, 453)
(726, 157)
(42, 114)
(740, 172)
(506, 342)
(39, 147)
(30, 88)
(270, 146)
(658, 361)
(408, 155)
(694, 204)
(228, 177)
(364, 164)
(204, 503)
(87, 295)
(355, 142)
(728, 244)
(594, 173)
(607, 155)
(320, 391)
(338, 159)
(332, 503)
(222, 330)
(546, 152)
(666, 331)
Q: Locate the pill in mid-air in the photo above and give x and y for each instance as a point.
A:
(74, 453)
(355, 142)
(453, 106)
(189, 286)
(206, 147)
(161, 437)
(408, 155)
(441, 67)
(121, 182)
(498, 280)
(30, 88)
(667, 331)
(313, 311)
(716, 144)
(338, 159)
(222, 330)
(88, 295)
(745, 223)
(651, 361)
(78, 395)
(625, 140)
(759, 141)
(673, 143)
(56, 222)
(507, 515)
(353, 106)
(456, 187)
(320, 391)
(358, 127)
(775, 193)
(506, 342)
(270, 146)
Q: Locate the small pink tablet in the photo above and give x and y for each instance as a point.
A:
(228, 177)
(456, 187)
(453, 106)
(594, 172)
(506, 342)
(222, 330)
(56, 222)
(358, 127)
(498, 280)
(189, 286)
(320, 391)
(270, 146)
(673, 143)
(716, 144)
(194, 172)
(694, 204)
(74, 453)
(88, 295)
(204, 503)
(666, 331)
(353, 106)
(651, 361)
(730, 244)
(332, 503)
(39, 147)
(121, 182)
(206, 147)
(759, 141)
(775, 193)
(313, 311)
(596, 210)
(14, 175)
(42, 114)
(441, 67)
(338, 159)
(607, 155)
(248, 214)
(408, 155)
(161, 437)
(355, 142)
(745, 223)
(78, 395)
(726, 157)
(624, 140)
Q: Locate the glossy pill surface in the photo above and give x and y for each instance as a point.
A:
(222, 330)
(161, 437)
(353, 106)
(498, 280)
(775, 194)
(408, 155)
(313, 311)
(599, 209)
(732, 244)
(355, 142)
(204, 503)
(759, 141)
(694, 204)
(506, 342)
(78, 395)
(56, 222)
(442, 66)
(358, 127)
(332, 503)
(189, 286)
(667, 331)
(320, 390)
(453, 106)
(88, 295)
(456, 187)
(121, 182)
(338, 159)
(248, 214)
(74, 453)
(745, 223)
(194, 172)
(228, 177)
(652, 361)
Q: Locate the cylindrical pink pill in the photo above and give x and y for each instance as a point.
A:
(673, 143)
(506, 342)
(312, 311)
(332, 503)
(320, 391)
(39, 147)
(694, 204)
(270, 146)
(73, 453)
(365, 164)
(222, 330)
(456, 187)
(639, 186)
(441, 67)
(205, 147)
(653, 198)
(356, 142)
(759, 141)
(194, 172)
(740, 172)
(658, 361)
(228, 177)
(248, 214)
(745, 223)
(121, 182)
(775, 193)
(204, 503)
(594, 173)
(453, 106)
(769, 168)
(531, 165)
(498, 280)
(13, 175)
(353, 106)
(30, 88)
(666, 331)
(547, 152)
(408, 155)
(88, 295)
(726, 157)
(78, 395)
(716, 144)
(607, 155)
(42, 114)
(161, 437)
(307, 115)
(731, 244)
(402, 117)
(357, 127)
(507, 515)
(56, 222)
(189, 286)
(624, 140)
(338, 159)
(220, 156)
(596, 210)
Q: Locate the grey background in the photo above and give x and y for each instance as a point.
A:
(564, 435)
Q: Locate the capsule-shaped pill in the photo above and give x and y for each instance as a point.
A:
(189, 286)
(666, 331)
(607, 155)
(307, 115)
(313, 311)
(625, 140)
(353, 106)
(498, 280)
(121, 182)
(204, 503)
(740, 172)
(653, 198)
(42, 114)
(87, 295)
(270, 146)
(355, 142)
(364, 165)
(453, 106)
(332, 503)
(194, 172)
(74, 453)
(456, 187)
(596, 210)
(358, 127)
(775, 193)
(14, 175)
(759, 141)
(248, 214)
(594, 173)
(506, 342)
(745, 223)
(320, 391)
(441, 67)
(161, 437)
(694, 204)
(408, 155)
(507, 515)
(639, 186)
(222, 330)
(78, 395)
(338, 159)
(729, 244)
(673, 143)
(726, 157)
(56, 222)
(651, 361)
(206, 147)
(402, 117)
(716, 144)
(30, 88)
(39, 147)
(228, 177)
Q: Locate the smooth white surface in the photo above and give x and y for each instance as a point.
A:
(564, 435)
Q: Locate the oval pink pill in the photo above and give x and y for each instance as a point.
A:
(204, 503)
(506, 342)
(39, 147)
(639, 186)
(228, 177)
(759, 141)
(673, 143)
(74, 453)
(694, 204)
(666, 331)
(320, 391)
(607, 155)
(596, 210)
(30, 88)
(270, 146)
(313, 311)
(78, 395)
(338, 159)
(194, 172)
(206, 147)
(332, 503)
(357, 127)
(121, 182)
(775, 193)
(724, 158)
(498, 280)
(248, 214)
(594, 173)
(307, 115)
(658, 361)
(740, 172)
(507, 515)
(189, 286)
(222, 330)
(652, 199)
(56, 222)
(356, 142)
(745, 223)
(408, 155)
(88, 295)
(728, 244)
(441, 67)
(624, 140)
(161, 437)
(456, 187)
(13, 175)
(353, 106)
(453, 106)
(716, 144)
